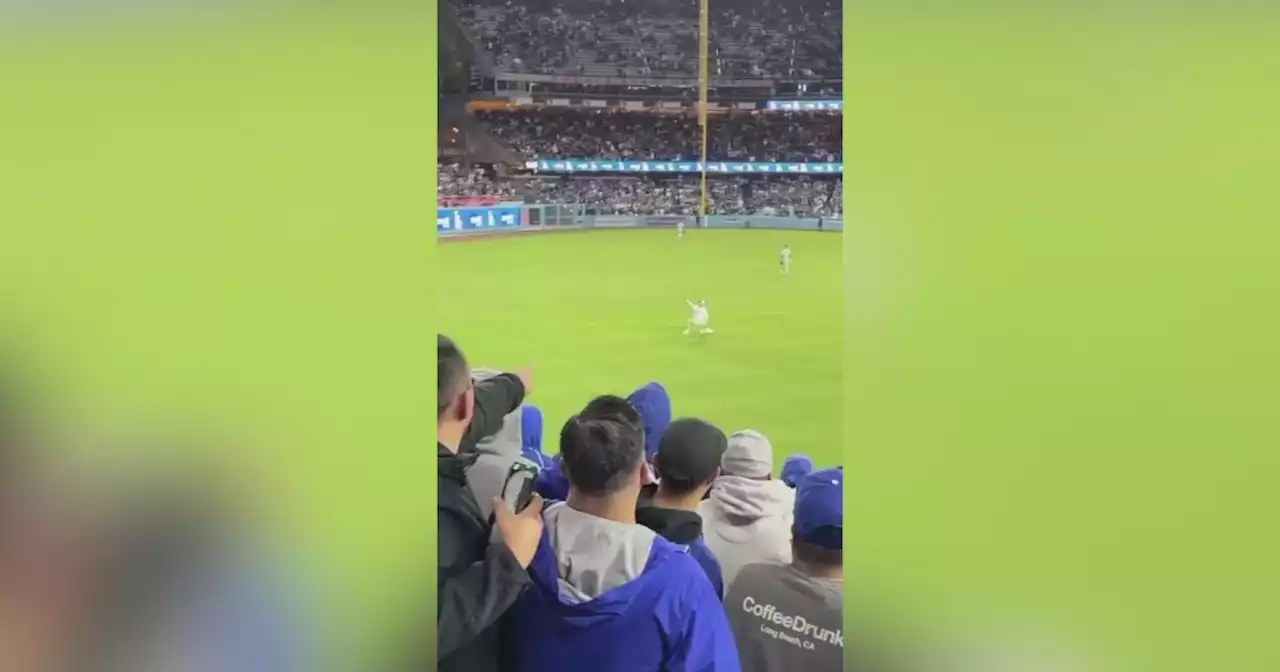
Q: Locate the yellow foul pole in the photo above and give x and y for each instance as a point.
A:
(704, 39)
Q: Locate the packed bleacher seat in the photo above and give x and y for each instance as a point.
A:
(612, 38)
(454, 180)
(787, 137)
(727, 195)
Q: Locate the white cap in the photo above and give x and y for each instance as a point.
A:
(749, 455)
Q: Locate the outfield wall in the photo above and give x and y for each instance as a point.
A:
(510, 218)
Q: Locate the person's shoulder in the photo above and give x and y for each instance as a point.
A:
(760, 573)
(675, 562)
(676, 567)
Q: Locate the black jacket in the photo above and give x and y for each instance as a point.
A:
(478, 580)
(685, 528)
(496, 398)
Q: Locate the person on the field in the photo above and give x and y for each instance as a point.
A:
(747, 518)
(699, 319)
(609, 594)
(687, 462)
(791, 616)
(785, 258)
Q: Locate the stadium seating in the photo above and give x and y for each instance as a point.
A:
(656, 38)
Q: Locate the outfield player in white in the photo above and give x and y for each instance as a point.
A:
(699, 318)
(786, 259)
(680, 229)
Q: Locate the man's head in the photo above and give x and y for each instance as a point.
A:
(817, 536)
(795, 468)
(749, 455)
(602, 450)
(608, 405)
(688, 458)
(455, 397)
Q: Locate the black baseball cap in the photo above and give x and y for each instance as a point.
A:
(690, 451)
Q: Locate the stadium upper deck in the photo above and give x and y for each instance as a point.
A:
(760, 39)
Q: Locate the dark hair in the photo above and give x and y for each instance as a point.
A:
(689, 455)
(600, 453)
(608, 405)
(452, 375)
(813, 554)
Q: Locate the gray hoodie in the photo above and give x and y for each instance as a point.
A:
(746, 521)
(495, 456)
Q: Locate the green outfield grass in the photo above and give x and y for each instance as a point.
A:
(603, 312)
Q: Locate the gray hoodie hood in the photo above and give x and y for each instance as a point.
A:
(746, 521)
(741, 501)
(594, 555)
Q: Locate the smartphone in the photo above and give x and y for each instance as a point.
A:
(517, 490)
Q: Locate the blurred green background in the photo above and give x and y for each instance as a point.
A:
(1061, 326)
(228, 220)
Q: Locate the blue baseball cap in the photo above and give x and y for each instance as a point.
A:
(819, 514)
(795, 468)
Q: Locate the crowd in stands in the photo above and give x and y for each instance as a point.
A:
(646, 543)
(726, 195)
(455, 180)
(784, 137)
(655, 38)
(778, 195)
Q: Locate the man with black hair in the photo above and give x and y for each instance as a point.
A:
(790, 616)
(478, 581)
(648, 408)
(609, 594)
(687, 462)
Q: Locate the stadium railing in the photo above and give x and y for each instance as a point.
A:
(515, 217)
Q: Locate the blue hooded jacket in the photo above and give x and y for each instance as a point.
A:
(616, 597)
(654, 405)
(531, 436)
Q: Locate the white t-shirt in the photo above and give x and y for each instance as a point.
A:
(786, 255)
(699, 314)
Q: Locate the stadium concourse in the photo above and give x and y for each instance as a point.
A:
(625, 538)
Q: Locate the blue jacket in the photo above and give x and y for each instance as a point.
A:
(654, 405)
(552, 483)
(683, 528)
(531, 436)
(700, 551)
(667, 618)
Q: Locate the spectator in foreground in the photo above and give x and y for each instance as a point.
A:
(648, 408)
(608, 594)
(800, 604)
(478, 581)
(531, 436)
(795, 468)
(489, 460)
(687, 462)
(747, 518)
(653, 404)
